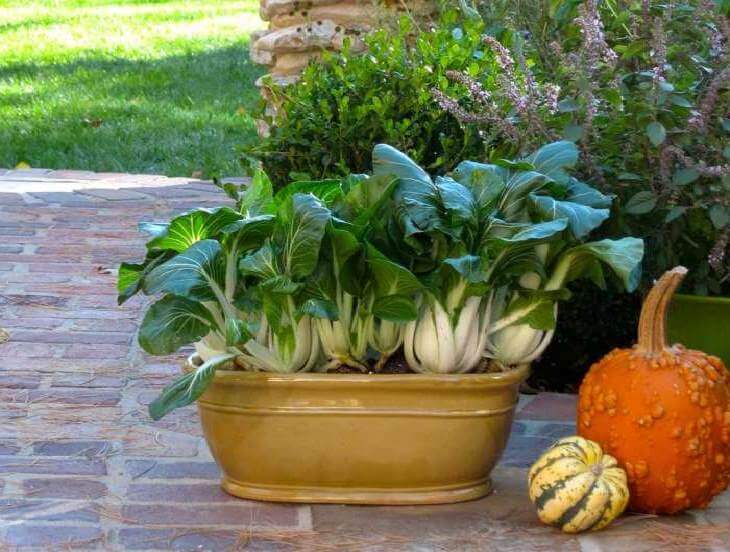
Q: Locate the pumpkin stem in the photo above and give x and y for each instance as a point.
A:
(653, 319)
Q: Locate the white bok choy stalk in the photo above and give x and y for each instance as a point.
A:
(523, 323)
(286, 339)
(362, 311)
(386, 337)
(343, 335)
(449, 335)
(192, 262)
(293, 349)
(439, 343)
(333, 302)
(519, 343)
(389, 304)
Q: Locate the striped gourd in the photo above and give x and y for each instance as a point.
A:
(576, 487)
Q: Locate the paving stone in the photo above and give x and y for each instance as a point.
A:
(10, 248)
(184, 539)
(76, 175)
(10, 396)
(55, 466)
(152, 469)
(33, 173)
(39, 300)
(19, 381)
(87, 381)
(39, 336)
(76, 489)
(17, 232)
(529, 438)
(193, 492)
(157, 443)
(72, 448)
(83, 350)
(61, 367)
(53, 267)
(45, 510)
(114, 325)
(102, 301)
(252, 514)
(89, 397)
(549, 406)
(63, 537)
(7, 448)
(115, 195)
(12, 350)
(66, 199)
(98, 316)
(24, 278)
(173, 192)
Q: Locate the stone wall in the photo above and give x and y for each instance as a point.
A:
(302, 29)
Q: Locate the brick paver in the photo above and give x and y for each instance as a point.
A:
(83, 467)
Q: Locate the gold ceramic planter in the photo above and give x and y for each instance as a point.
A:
(358, 439)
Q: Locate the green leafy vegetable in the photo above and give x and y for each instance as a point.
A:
(452, 269)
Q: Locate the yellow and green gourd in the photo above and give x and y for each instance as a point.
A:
(576, 487)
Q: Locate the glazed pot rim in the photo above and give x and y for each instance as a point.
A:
(515, 375)
(713, 299)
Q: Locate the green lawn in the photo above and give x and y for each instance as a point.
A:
(131, 86)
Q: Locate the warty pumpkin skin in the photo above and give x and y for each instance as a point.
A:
(576, 487)
(663, 412)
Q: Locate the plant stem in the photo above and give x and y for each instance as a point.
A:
(231, 273)
(653, 319)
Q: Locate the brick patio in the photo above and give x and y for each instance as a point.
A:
(83, 467)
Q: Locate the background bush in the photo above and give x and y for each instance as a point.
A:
(644, 91)
(329, 121)
(641, 86)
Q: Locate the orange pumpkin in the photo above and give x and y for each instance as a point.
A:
(662, 411)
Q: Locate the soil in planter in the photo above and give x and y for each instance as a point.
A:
(397, 364)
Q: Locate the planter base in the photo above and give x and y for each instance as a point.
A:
(348, 495)
(359, 438)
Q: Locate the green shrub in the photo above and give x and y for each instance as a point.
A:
(329, 121)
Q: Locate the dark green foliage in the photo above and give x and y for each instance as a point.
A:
(652, 124)
(592, 323)
(343, 106)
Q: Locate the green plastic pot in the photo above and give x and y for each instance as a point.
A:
(702, 323)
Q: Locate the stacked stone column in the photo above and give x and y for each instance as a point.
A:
(302, 29)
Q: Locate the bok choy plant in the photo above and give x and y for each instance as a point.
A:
(230, 279)
(457, 271)
(495, 246)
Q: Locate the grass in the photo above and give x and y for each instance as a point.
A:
(127, 86)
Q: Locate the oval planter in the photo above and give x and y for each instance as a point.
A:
(358, 439)
(702, 323)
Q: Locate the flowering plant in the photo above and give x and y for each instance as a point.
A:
(643, 91)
